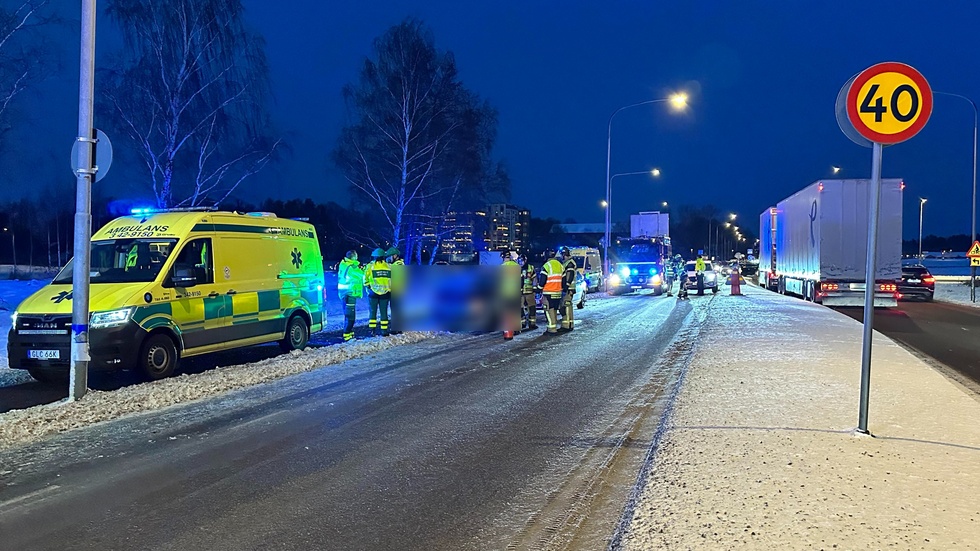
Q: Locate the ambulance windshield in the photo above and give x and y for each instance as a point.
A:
(123, 261)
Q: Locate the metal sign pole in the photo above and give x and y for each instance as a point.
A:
(78, 380)
(869, 287)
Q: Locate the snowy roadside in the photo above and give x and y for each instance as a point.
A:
(760, 451)
(955, 292)
(33, 424)
(12, 292)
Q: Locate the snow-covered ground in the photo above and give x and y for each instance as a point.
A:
(35, 423)
(957, 292)
(760, 451)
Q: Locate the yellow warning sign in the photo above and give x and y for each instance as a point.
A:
(974, 262)
(974, 251)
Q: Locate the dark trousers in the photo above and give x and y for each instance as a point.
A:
(350, 304)
(379, 302)
(394, 304)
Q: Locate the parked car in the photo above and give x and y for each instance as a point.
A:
(710, 277)
(917, 282)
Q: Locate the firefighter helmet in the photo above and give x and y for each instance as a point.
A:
(378, 253)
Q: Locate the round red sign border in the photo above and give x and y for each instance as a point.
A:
(889, 67)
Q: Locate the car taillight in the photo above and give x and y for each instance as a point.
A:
(888, 287)
(929, 279)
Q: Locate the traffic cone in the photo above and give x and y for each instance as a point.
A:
(736, 283)
(508, 335)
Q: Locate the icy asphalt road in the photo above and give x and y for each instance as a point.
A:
(459, 443)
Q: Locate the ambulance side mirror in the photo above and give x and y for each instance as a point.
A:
(182, 277)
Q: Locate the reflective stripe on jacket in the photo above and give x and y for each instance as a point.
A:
(554, 271)
(528, 279)
(377, 277)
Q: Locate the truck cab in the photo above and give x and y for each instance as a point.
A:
(641, 263)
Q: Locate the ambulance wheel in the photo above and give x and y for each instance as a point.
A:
(297, 334)
(158, 357)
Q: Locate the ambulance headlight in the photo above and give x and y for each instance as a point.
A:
(110, 318)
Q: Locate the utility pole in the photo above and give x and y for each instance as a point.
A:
(85, 175)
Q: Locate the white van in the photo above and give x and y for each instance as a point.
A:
(589, 264)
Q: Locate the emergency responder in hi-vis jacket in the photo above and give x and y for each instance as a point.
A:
(699, 267)
(377, 280)
(528, 286)
(511, 294)
(550, 280)
(397, 265)
(569, 271)
(350, 287)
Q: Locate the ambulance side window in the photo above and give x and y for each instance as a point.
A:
(196, 258)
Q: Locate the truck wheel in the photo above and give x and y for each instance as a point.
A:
(297, 334)
(47, 377)
(158, 357)
(714, 291)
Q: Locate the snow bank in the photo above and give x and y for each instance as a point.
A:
(958, 293)
(36, 423)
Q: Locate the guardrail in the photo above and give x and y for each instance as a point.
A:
(23, 271)
(952, 278)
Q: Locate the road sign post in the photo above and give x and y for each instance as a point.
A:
(974, 255)
(885, 104)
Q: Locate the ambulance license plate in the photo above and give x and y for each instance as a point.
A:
(44, 354)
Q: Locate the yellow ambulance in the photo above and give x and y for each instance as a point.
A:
(168, 285)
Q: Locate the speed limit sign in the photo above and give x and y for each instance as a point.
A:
(889, 103)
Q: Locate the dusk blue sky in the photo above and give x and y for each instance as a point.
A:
(763, 77)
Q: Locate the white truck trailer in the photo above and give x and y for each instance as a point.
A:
(814, 244)
(650, 224)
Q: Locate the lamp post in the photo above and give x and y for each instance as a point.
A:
(654, 172)
(678, 101)
(922, 203)
(973, 203)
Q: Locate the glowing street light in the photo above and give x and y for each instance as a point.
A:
(603, 204)
(678, 102)
(732, 216)
(664, 204)
(655, 172)
(836, 169)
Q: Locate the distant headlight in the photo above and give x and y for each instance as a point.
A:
(625, 271)
(709, 275)
(110, 318)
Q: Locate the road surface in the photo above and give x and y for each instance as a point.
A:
(458, 443)
(945, 333)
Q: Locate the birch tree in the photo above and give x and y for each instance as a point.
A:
(417, 139)
(189, 91)
(21, 54)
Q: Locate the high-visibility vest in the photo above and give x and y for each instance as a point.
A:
(568, 278)
(699, 265)
(554, 272)
(350, 279)
(377, 277)
(528, 279)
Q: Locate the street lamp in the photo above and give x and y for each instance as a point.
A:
(603, 203)
(836, 169)
(731, 216)
(655, 173)
(973, 203)
(678, 102)
(922, 203)
(664, 204)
